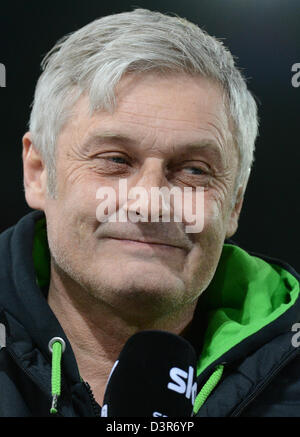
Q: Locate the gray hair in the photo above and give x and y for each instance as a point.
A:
(93, 59)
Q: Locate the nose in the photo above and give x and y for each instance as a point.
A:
(145, 186)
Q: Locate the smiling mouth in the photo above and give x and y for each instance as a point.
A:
(144, 244)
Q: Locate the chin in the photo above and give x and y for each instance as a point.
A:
(142, 292)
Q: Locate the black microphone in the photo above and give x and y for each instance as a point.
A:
(155, 376)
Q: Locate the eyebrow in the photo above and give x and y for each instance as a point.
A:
(95, 139)
(182, 149)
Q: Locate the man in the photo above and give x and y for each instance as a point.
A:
(154, 101)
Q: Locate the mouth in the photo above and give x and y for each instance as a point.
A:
(144, 244)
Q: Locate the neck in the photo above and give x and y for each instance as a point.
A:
(97, 332)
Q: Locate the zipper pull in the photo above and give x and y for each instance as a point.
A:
(57, 347)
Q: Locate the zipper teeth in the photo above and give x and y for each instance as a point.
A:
(95, 406)
(248, 400)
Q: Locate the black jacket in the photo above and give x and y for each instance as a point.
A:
(245, 321)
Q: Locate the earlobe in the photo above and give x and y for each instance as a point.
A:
(34, 174)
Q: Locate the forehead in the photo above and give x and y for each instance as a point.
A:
(154, 108)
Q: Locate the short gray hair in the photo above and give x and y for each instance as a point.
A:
(93, 59)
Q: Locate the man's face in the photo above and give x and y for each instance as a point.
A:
(165, 131)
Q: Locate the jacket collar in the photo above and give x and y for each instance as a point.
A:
(28, 336)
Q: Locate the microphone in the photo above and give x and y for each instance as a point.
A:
(154, 376)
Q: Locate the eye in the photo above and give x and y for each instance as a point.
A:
(113, 163)
(112, 158)
(117, 159)
(200, 169)
(196, 170)
(192, 173)
(192, 167)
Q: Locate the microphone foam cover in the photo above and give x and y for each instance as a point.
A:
(155, 376)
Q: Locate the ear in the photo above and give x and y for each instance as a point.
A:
(35, 175)
(235, 213)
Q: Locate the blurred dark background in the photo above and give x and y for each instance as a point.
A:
(265, 37)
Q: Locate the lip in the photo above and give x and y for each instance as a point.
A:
(144, 244)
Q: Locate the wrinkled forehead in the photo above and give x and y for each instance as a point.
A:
(150, 108)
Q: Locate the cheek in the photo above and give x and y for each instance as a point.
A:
(208, 244)
(71, 217)
(212, 212)
(109, 199)
(207, 213)
(217, 209)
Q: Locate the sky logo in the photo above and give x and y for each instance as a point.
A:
(182, 382)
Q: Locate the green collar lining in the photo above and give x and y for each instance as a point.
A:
(245, 295)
